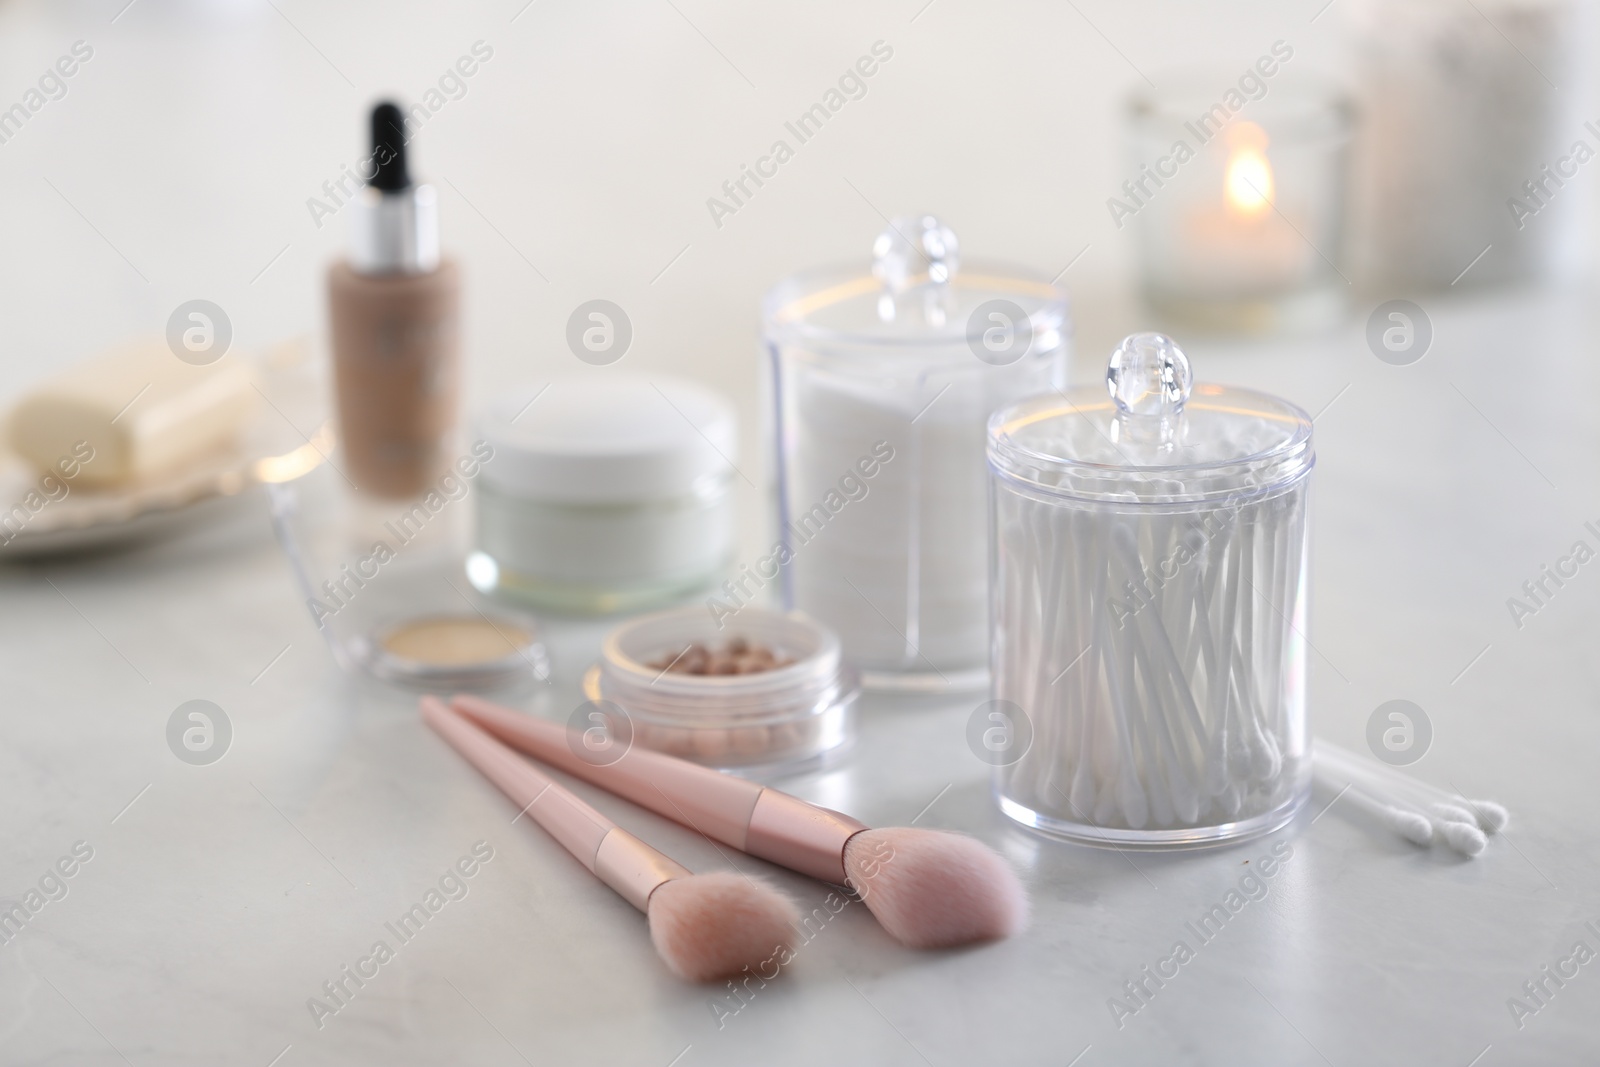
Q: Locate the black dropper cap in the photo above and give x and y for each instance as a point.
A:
(389, 149)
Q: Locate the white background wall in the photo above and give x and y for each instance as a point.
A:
(590, 141)
(584, 151)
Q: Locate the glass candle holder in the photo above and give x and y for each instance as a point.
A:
(1149, 590)
(1238, 212)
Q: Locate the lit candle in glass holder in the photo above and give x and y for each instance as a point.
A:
(1240, 242)
(1248, 184)
(1238, 211)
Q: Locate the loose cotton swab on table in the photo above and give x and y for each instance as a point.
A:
(1418, 820)
(1489, 816)
(1411, 825)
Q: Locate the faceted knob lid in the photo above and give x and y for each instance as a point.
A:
(1153, 435)
(1148, 374)
(915, 296)
(914, 245)
(1149, 379)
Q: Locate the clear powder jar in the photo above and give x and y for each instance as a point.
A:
(605, 495)
(1149, 592)
(884, 375)
(796, 714)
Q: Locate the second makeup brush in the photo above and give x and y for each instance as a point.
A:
(929, 888)
(705, 926)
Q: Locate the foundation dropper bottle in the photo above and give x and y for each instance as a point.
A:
(393, 309)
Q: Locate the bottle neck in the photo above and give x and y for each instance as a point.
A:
(395, 232)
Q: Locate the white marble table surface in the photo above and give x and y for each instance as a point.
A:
(218, 899)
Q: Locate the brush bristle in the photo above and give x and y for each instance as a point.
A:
(934, 889)
(710, 926)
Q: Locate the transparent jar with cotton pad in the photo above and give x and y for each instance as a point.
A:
(1149, 582)
(760, 694)
(883, 376)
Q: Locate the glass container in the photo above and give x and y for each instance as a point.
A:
(385, 583)
(1149, 575)
(883, 379)
(1238, 211)
(1464, 164)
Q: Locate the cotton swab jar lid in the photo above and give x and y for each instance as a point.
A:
(1151, 431)
(784, 702)
(1149, 596)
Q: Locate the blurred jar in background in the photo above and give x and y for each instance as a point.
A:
(1466, 131)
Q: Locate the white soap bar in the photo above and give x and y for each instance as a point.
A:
(141, 409)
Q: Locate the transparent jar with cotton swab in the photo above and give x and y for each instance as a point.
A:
(1148, 581)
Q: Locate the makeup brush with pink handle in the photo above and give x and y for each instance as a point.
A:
(929, 888)
(705, 926)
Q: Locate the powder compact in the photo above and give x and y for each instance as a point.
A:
(456, 651)
(765, 694)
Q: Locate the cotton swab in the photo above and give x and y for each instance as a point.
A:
(1408, 824)
(705, 926)
(1490, 816)
(1464, 837)
(1452, 813)
(1177, 716)
(1443, 822)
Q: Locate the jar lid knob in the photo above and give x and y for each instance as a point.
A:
(914, 246)
(1149, 379)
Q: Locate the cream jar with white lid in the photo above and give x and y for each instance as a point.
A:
(605, 495)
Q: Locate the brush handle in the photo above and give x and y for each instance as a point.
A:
(752, 818)
(616, 857)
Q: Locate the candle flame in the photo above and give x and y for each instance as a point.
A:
(1247, 183)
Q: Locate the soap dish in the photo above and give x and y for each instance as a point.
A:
(286, 439)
